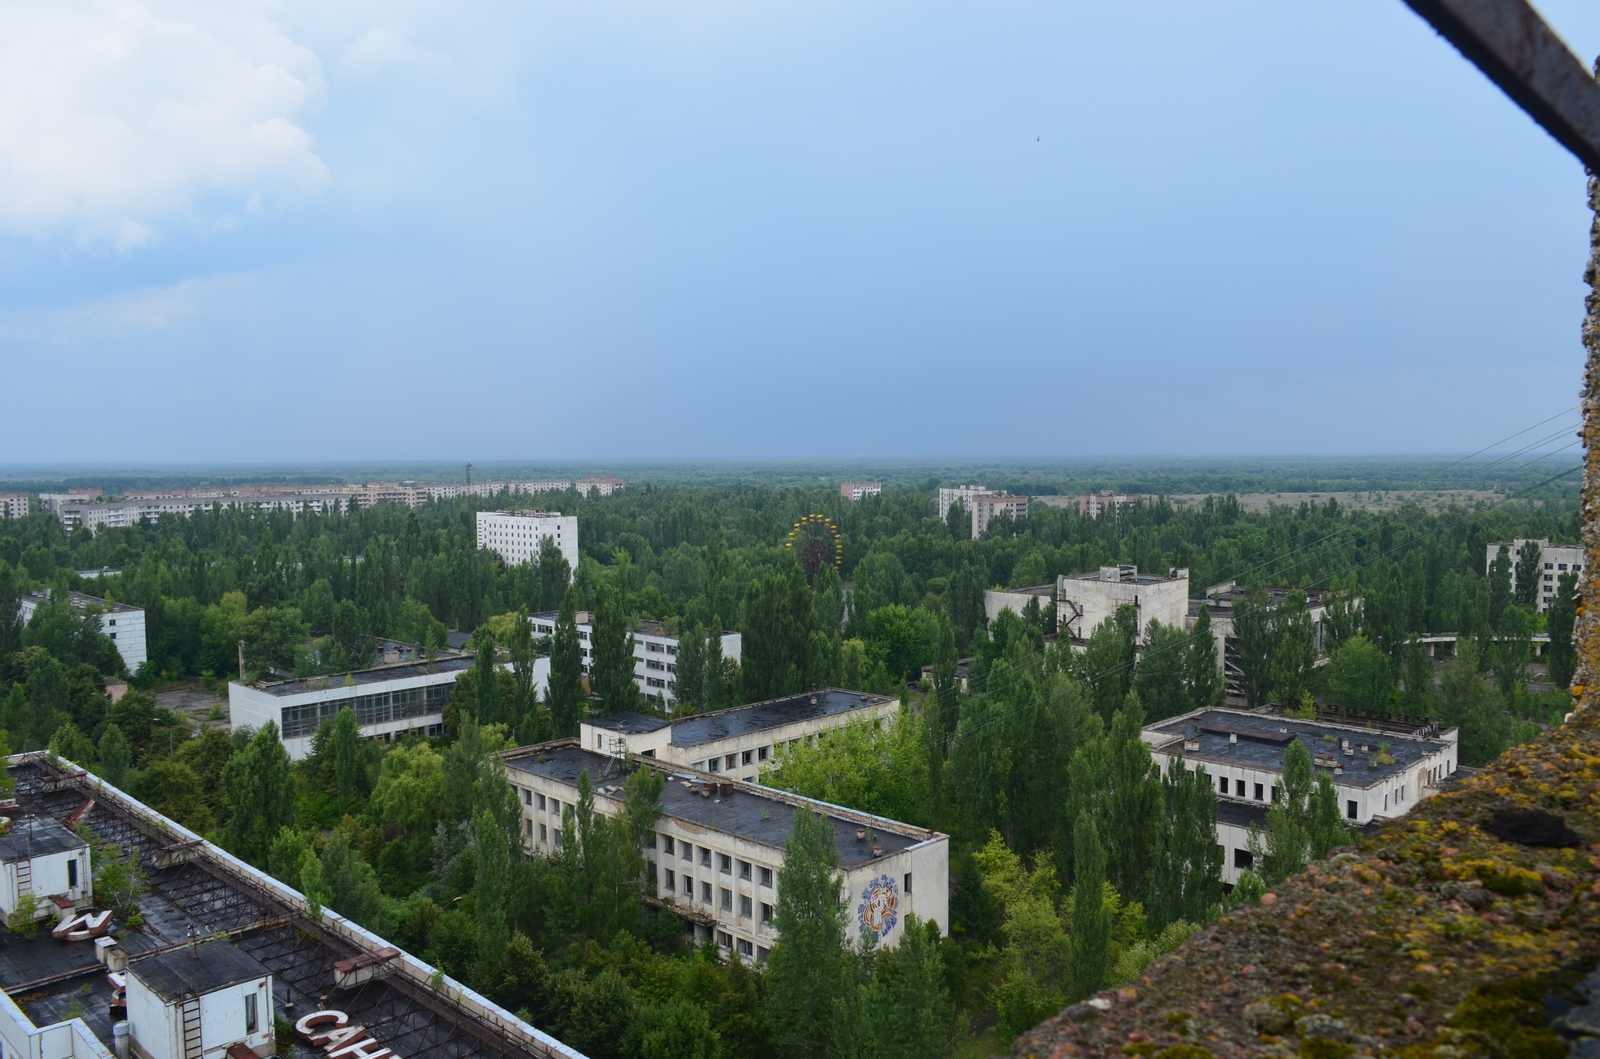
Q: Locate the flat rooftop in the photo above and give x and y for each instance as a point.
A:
(36, 836)
(628, 723)
(205, 896)
(444, 664)
(80, 601)
(774, 713)
(749, 812)
(1263, 740)
(195, 969)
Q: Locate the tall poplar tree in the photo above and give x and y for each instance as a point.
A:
(1499, 585)
(1090, 952)
(808, 969)
(1254, 632)
(260, 791)
(1530, 574)
(486, 681)
(564, 693)
(1186, 878)
(1202, 675)
(524, 697)
(689, 687)
(1295, 650)
(1561, 618)
(611, 660)
(777, 626)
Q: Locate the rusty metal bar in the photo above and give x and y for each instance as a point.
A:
(1513, 46)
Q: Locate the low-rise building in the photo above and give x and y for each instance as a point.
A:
(516, 536)
(1093, 505)
(985, 508)
(1554, 560)
(741, 741)
(122, 623)
(13, 505)
(1378, 774)
(202, 1001)
(1083, 601)
(853, 491)
(949, 495)
(41, 856)
(719, 844)
(1016, 599)
(655, 652)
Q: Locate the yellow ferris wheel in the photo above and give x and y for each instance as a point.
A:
(814, 536)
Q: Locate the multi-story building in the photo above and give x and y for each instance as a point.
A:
(964, 493)
(655, 652)
(853, 491)
(516, 536)
(985, 508)
(1083, 601)
(600, 486)
(92, 515)
(741, 741)
(13, 505)
(451, 490)
(1093, 505)
(389, 701)
(719, 844)
(1554, 560)
(122, 623)
(1379, 775)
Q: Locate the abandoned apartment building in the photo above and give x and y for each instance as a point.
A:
(222, 952)
(718, 844)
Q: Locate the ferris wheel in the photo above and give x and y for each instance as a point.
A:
(818, 542)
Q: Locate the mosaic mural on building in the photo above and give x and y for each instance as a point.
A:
(879, 907)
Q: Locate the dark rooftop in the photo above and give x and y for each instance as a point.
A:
(195, 969)
(1262, 745)
(445, 665)
(36, 836)
(79, 601)
(631, 723)
(747, 813)
(759, 716)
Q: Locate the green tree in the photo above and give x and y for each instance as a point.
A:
(1255, 629)
(1499, 585)
(902, 637)
(808, 968)
(1186, 878)
(959, 521)
(491, 890)
(260, 793)
(776, 627)
(418, 625)
(1090, 954)
(350, 635)
(555, 574)
(1106, 663)
(487, 704)
(689, 689)
(348, 768)
(1296, 651)
(351, 884)
(1285, 846)
(564, 693)
(1512, 648)
(273, 638)
(1529, 574)
(1202, 675)
(115, 755)
(1561, 618)
(611, 658)
(1159, 677)
(72, 636)
(172, 789)
(10, 609)
(1419, 694)
(1468, 703)
(964, 598)
(1358, 676)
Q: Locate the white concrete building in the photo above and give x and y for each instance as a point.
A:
(853, 491)
(742, 741)
(655, 652)
(1242, 753)
(601, 485)
(93, 515)
(204, 1001)
(1554, 560)
(13, 505)
(124, 624)
(719, 844)
(389, 700)
(1093, 505)
(516, 536)
(451, 490)
(964, 493)
(1083, 601)
(985, 508)
(997, 599)
(39, 855)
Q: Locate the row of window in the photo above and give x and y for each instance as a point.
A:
(725, 864)
(377, 708)
(724, 896)
(761, 754)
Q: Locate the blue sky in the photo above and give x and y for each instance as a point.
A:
(480, 230)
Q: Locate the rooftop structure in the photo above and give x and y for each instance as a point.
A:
(949, 495)
(655, 652)
(1083, 601)
(741, 741)
(1093, 505)
(1554, 560)
(718, 845)
(41, 856)
(986, 506)
(997, 599)
(1379, 774)
(122, 623)
(63, 997)
(516, 536)
(853, 491)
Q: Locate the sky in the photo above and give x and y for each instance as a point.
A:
(272, 230)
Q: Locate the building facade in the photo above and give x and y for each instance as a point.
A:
(1378, 775)
(985, 508)
(516, 536)
(1083, 601)
(1016, 599)
(600, 486)
(718, 846)
(41, 856)
(13, 505)
(1093, 505)
(740, 742)
(853, 491)
(948, 495)
(122, 623)
(1554, 560)
(655, 652)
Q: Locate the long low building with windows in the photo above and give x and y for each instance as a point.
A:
(655, 652)
(741, 741)
(718, 845)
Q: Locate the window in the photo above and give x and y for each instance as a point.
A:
(746, 757)
(72, 872)
(652, 844)
(1243, 858)
(544, 836)
(688, 887)
(746, 949)
(762, 754)
(555, 806)
(724, 939)
(762, 952)
(688, 852)
(527, 828)
(1350, 810)
(730, 760)
(1551, 566)
(744, 869)
(705, 857)
(667, 845)
(766, 876)
(705, 892)
(1549, 577)
(1222, 784)
(727, 899)
(714, 763)
(672, 881)
(1274, 792)
(907, 885)
(250, 1014)
(527, 797)
(1260, 792)
(744, 906)
(1238, 787)
(724, 864)
(766, 913)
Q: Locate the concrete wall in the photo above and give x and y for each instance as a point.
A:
(49, 878)
(997, 599)
(1083, 602)
(21, 1039)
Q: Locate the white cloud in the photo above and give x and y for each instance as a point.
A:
(118, 114)
(383, 47)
